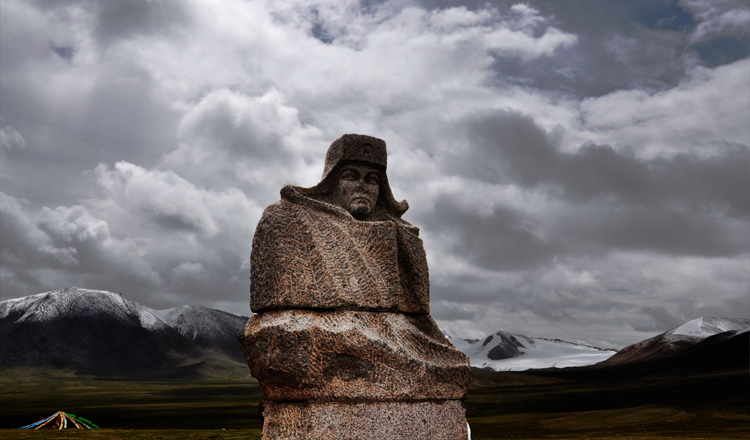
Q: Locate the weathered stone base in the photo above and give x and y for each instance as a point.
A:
(444, 420)
(305, 355)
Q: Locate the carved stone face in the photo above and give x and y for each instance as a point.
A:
(357, 189)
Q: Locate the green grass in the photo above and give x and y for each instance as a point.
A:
(526, 405)
(209, 403)
(564, 404)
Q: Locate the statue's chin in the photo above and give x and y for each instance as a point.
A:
(360, 212)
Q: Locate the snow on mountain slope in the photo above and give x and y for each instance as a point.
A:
(678, 339)
(198, 321)
(709, 326)
(100, 330)
(459, 343)
(88, 330)
(206, 327)
(504, 351)
(75, 302)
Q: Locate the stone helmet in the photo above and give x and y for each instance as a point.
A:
(367, 149)
(356, 148)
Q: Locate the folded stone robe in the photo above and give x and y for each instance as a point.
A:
(343, 309)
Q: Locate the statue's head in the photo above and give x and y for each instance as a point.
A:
(354, 177)
(356, 188)
(353, 169)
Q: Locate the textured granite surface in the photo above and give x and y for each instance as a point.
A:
(444, 420)
(342, 344)
(309, 254)
(301, 355)
(356, 148)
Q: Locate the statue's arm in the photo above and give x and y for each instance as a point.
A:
(263, 261)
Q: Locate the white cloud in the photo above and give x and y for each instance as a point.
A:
(229, 136)
(168, 200)
(506, 41)
(453, 18)
(162, 196)
(189, 272)
(700, 115)
(10, 139)
(197, 239)
(72, 225)
(184, 239)
(719, 17)
(63, 246)
(376, 57)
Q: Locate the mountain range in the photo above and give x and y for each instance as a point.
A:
(679, 339)
(103, 332)
(503, 351)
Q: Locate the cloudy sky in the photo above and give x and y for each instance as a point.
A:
(578, 169)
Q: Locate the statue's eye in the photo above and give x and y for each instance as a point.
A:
(348, 175)
(372, 179)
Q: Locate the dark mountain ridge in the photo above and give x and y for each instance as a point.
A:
(678, 339)
(105, 333)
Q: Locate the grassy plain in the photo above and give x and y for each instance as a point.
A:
(609, 404)
(568, 403)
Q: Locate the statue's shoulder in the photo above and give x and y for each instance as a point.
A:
(275, 208)
(291, 209)
(279, 211)
(279, 219)
(407, 227)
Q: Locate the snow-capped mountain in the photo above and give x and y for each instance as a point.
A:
(208, 328)
(678, 339)
(104, 331)
(504, 351)
(709, 326)
(77, 303)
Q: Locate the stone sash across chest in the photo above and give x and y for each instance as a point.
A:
(306, 258)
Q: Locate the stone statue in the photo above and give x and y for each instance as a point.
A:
(342, 342)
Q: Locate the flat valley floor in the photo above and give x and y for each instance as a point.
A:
(203, 403)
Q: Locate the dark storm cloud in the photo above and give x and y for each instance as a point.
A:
(116, 118)
(449, 311)
(64, 52)
(681, 204)
(722, 50)
(503, 240)
(119, 19)
(510, 146)
(661, 320)
(116, 20)
(76, 105)
(662, 230)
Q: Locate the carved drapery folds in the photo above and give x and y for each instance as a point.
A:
(342, 343)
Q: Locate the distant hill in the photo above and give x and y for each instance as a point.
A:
(503, 351)
(678, 339)
(104, 332)
(208, 328)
